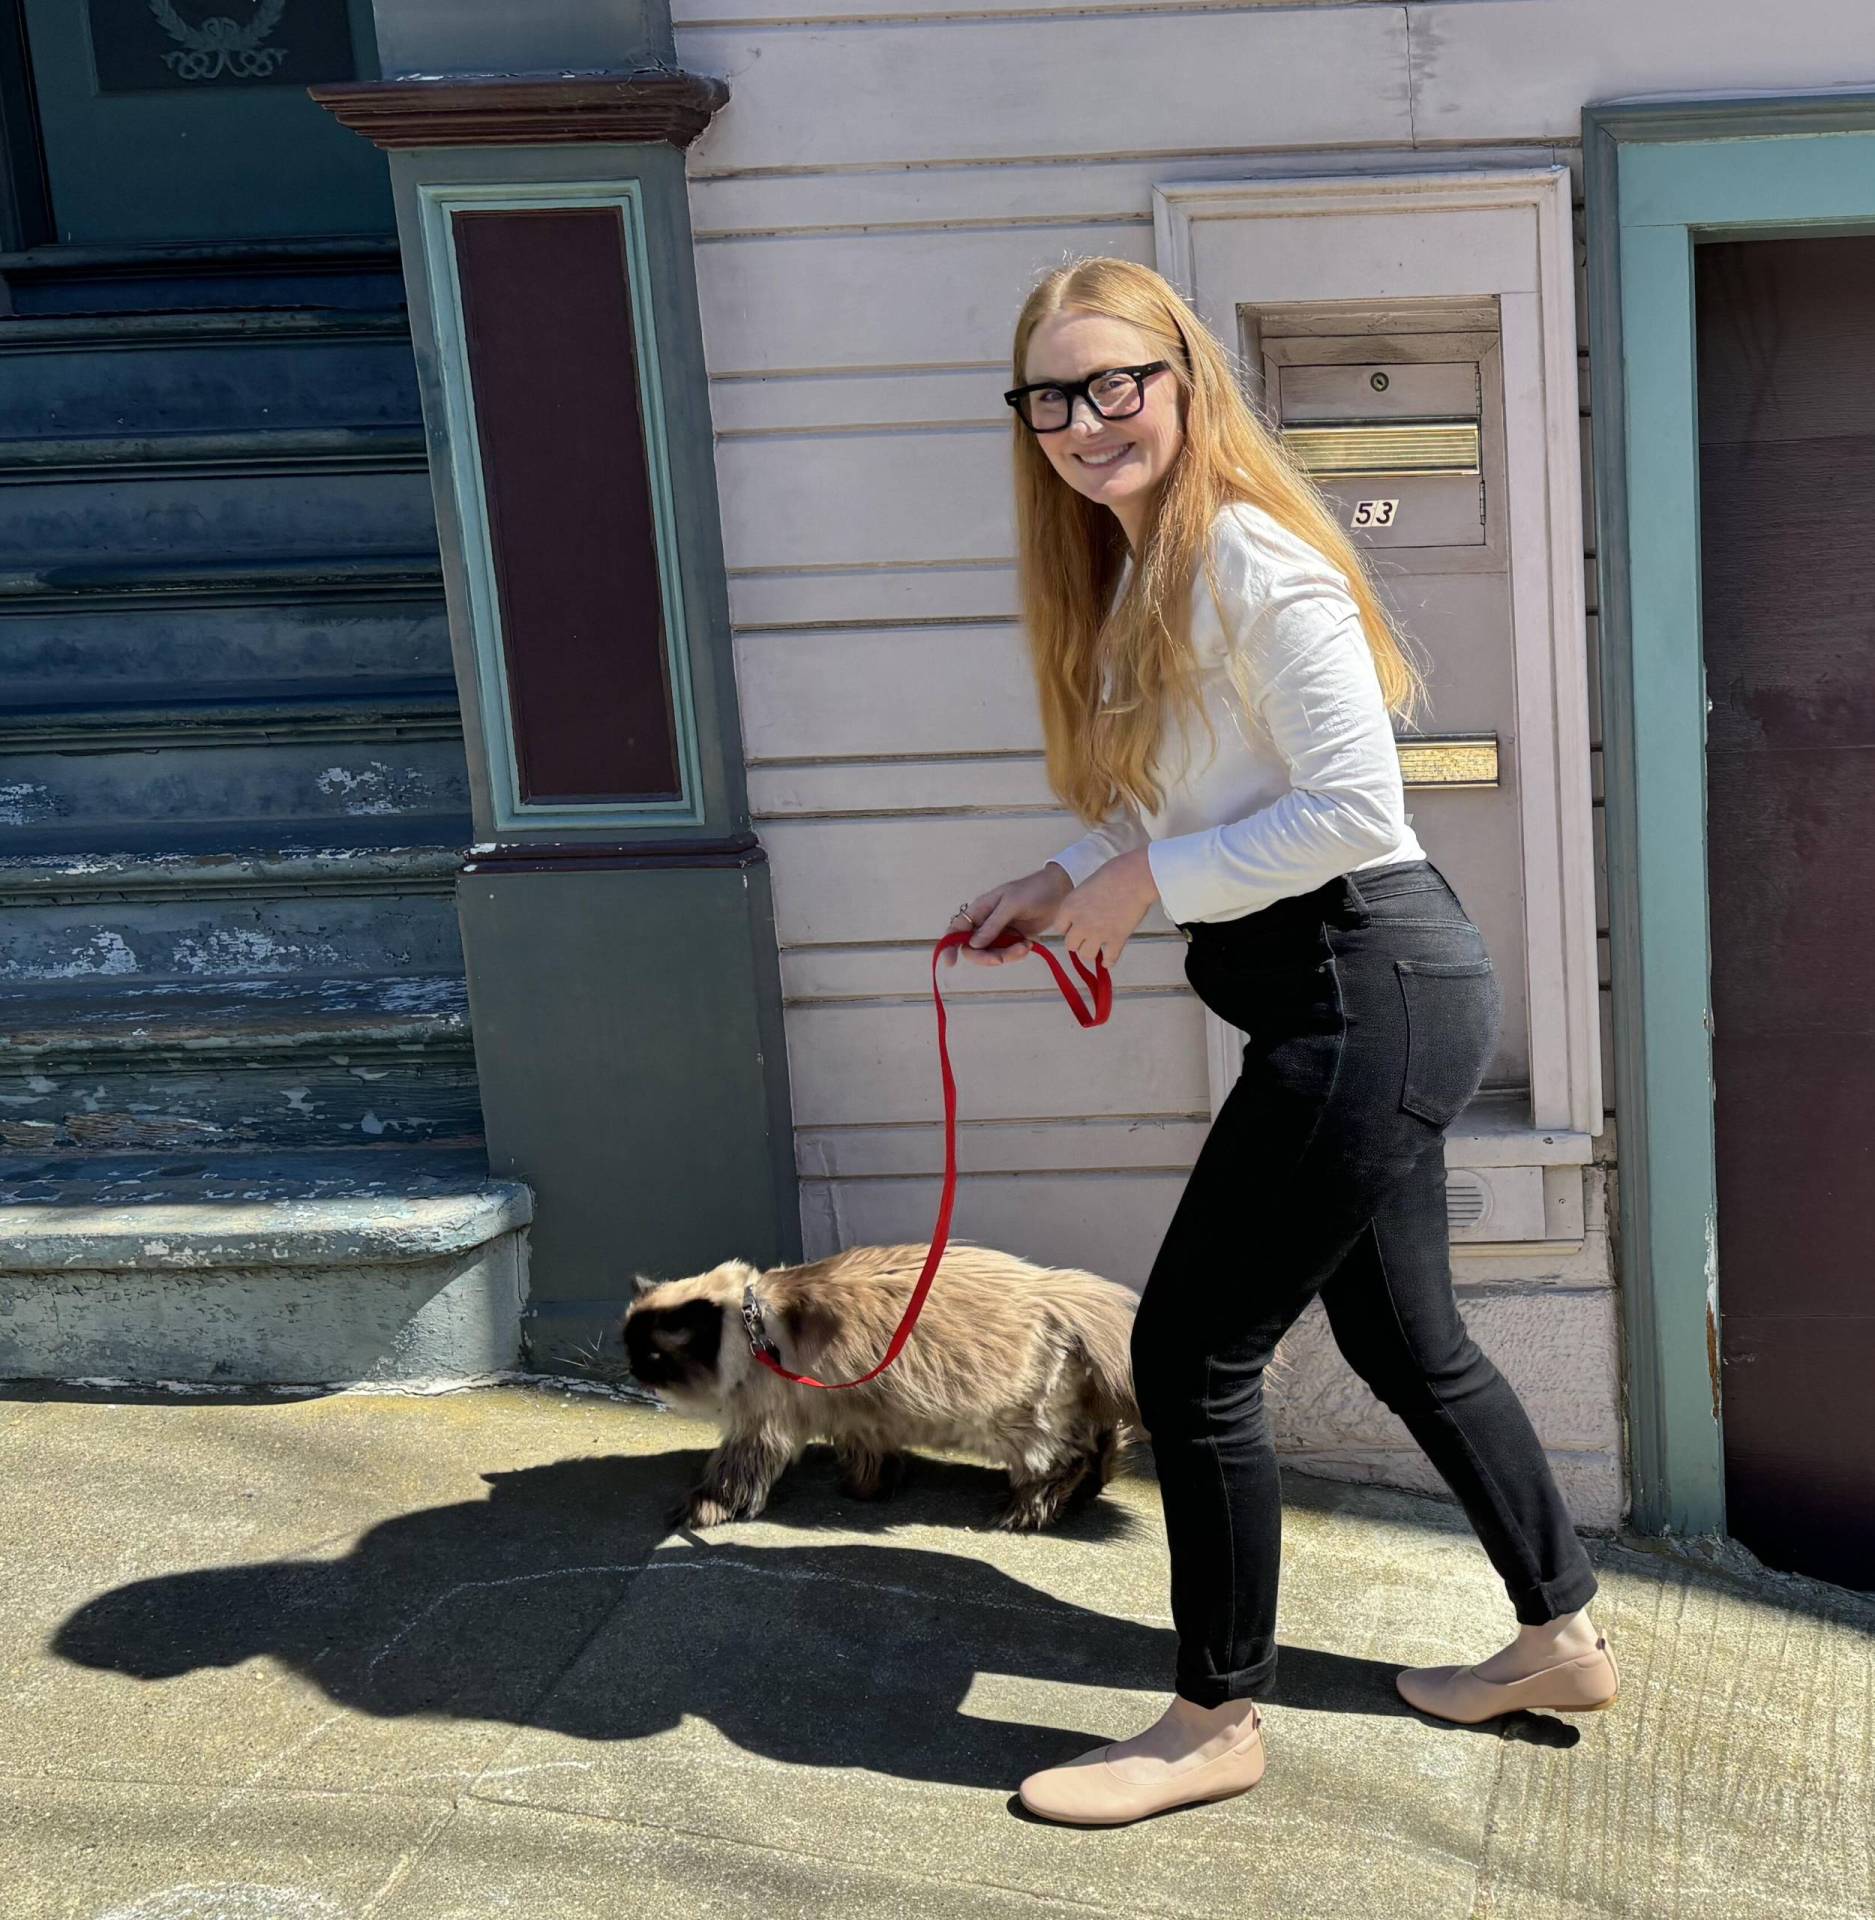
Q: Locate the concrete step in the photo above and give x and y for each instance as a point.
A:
(308, 1268)
(349, 906)
(233, 1063)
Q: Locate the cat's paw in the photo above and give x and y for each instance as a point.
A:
(1040, 1503)
(1027, 1511)
(705, 1509)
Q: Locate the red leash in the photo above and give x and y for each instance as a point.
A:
(1100, 984)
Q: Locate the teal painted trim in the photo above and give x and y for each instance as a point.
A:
(664, 506)
(1734, 186)
(1659, 179)
(510, 812)
(1667, 690)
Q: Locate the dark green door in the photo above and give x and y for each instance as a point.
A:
(187, 120)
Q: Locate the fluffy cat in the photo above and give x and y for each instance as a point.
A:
(1025, 1365)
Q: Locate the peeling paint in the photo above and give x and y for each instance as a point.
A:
(24, 802)
(228, 948)
(429, 994)
(1712, 1311)
(106, 953)
(377, 789)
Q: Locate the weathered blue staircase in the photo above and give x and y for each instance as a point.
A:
(239, 1080)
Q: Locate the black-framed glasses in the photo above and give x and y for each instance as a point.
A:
(1046, 406)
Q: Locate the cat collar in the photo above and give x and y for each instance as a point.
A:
(755, 1327)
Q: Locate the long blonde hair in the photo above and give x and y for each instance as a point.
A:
(1106, 671)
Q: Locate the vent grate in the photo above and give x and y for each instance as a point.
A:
(1467, 1202)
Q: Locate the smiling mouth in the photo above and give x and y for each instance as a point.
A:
(1106, 459)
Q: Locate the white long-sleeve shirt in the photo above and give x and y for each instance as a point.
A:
(1304, 782)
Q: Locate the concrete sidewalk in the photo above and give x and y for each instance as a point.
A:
(441, 1659)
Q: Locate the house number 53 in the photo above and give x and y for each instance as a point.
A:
(1374, 513)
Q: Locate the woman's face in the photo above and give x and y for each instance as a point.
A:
(1118, 463)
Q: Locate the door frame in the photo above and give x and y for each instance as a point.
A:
(1659, 178)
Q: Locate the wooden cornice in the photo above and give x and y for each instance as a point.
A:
(498, 110)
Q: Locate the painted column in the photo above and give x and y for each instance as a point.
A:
(615, 909)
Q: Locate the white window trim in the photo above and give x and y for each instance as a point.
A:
(1505, 234)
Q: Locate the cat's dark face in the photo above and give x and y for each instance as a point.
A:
(674, 1349)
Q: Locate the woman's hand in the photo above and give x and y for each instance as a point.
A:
(1026, 907)
(1102, 914)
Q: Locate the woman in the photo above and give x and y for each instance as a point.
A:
(1216, 678)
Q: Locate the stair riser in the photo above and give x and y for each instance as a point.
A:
(159, 653)
(274, 516)
(217, 387)
(443, 1319)
(242, 937)
(274, 790)
(320, 1100)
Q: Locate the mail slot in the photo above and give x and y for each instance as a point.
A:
(1394, 435)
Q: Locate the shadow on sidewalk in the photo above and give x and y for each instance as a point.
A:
(563, 1602)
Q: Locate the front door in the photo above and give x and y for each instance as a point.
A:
(1786, 338)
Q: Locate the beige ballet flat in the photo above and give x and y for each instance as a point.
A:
(1586, 1684)
(1093, 1792)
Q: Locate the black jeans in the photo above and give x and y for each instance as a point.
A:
(1372, 1011)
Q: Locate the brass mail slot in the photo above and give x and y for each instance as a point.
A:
(1418, 446)
(1449, 760)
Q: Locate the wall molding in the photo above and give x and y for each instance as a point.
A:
(437, 205)
(499, 111)
(739, 851)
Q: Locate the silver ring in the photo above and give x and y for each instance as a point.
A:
(963, 914)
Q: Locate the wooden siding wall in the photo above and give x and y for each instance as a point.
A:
(889, 177)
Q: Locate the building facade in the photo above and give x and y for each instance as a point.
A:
(489, 756)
